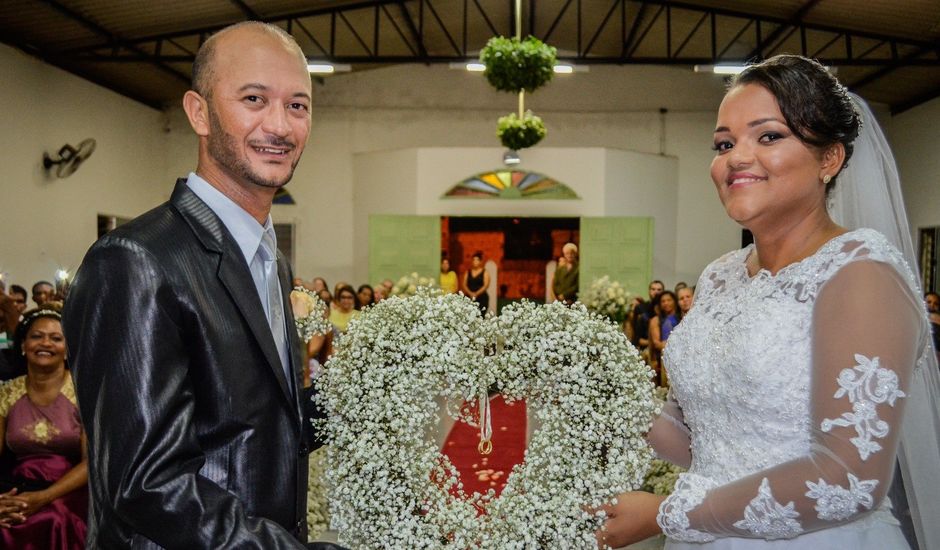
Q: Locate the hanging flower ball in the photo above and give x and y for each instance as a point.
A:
(513, 65)
(518, 133)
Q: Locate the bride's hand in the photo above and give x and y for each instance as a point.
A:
(630, 520)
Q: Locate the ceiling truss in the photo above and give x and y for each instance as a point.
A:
(659, 32)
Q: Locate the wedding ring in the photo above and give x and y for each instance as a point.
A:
(485, 447)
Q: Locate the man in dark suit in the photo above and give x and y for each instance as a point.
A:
(186, 362)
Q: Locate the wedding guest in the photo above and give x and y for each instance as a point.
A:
(389, 285)
(565, 281)
(476, 281)
(9, 314)
(641, 313)
(932, 300)
(365, 297)
(789, 387)
(326, 297)
(344, 308)
(43, 291)
(667, 317)
(679, 286)
(685, 297)
(448, 278)
(319, 284)
(44, 497)
(18, 294)
(380, 293)
(338, 286)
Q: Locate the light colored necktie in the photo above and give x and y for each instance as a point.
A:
(274, 306)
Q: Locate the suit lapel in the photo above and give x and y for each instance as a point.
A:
(234, 274)
(297, 349)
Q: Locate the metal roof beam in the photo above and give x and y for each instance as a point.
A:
(914, 102)
(111, 38)
(246, 9)
(797, 19)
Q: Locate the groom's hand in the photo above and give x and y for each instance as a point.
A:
(630, 520)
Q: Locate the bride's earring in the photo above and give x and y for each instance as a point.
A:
(826, 179)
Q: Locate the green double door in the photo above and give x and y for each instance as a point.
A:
(400, 245)
(621, 248)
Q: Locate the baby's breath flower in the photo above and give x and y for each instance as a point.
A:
(390, 487)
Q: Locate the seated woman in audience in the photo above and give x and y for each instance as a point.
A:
(448, 278)
(344, 308)
(44, 496)
(326, 298)
(365, 297)
(661, 325)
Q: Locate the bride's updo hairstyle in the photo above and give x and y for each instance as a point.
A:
(815, 106)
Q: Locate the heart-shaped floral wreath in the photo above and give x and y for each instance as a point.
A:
(390, 487)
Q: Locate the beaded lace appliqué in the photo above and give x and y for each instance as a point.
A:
(765, 517)
(673, 512)
(835, 503)
(867, 385)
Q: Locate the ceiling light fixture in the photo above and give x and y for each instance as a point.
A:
(720, 69)
(511, 158)
(322, 67)
(477, 67)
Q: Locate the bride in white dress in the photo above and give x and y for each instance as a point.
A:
(792, 372)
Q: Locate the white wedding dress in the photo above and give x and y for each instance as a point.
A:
(789, 390)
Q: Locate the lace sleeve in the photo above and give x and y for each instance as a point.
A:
(669, 436)
(867, 331)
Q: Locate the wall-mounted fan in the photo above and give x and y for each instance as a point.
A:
(70, 158)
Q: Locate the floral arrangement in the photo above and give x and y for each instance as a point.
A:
(392, 488)
(518, 133)
(309, 314)
(513, 65)
(318, 512)
(661, 477)
(518, 66)
(608, 298)
(409, 285)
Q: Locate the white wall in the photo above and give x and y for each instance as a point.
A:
(141, 152)
(641, 184)
(47, 222)
(413, 106)
(608, 183)
(913, 137)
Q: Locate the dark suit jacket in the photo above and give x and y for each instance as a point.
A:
(195, 438)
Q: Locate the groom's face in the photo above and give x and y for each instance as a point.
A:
(259, 109)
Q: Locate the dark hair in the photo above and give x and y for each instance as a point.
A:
(371, 291)
(931, 293)
(49, 310)
(675, 300)
(38, 283)
(478, 254)
(816, 107)
(351, 290)
(17, 289)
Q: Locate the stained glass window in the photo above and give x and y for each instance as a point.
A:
(511, 184)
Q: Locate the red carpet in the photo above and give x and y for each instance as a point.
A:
(479, 473)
